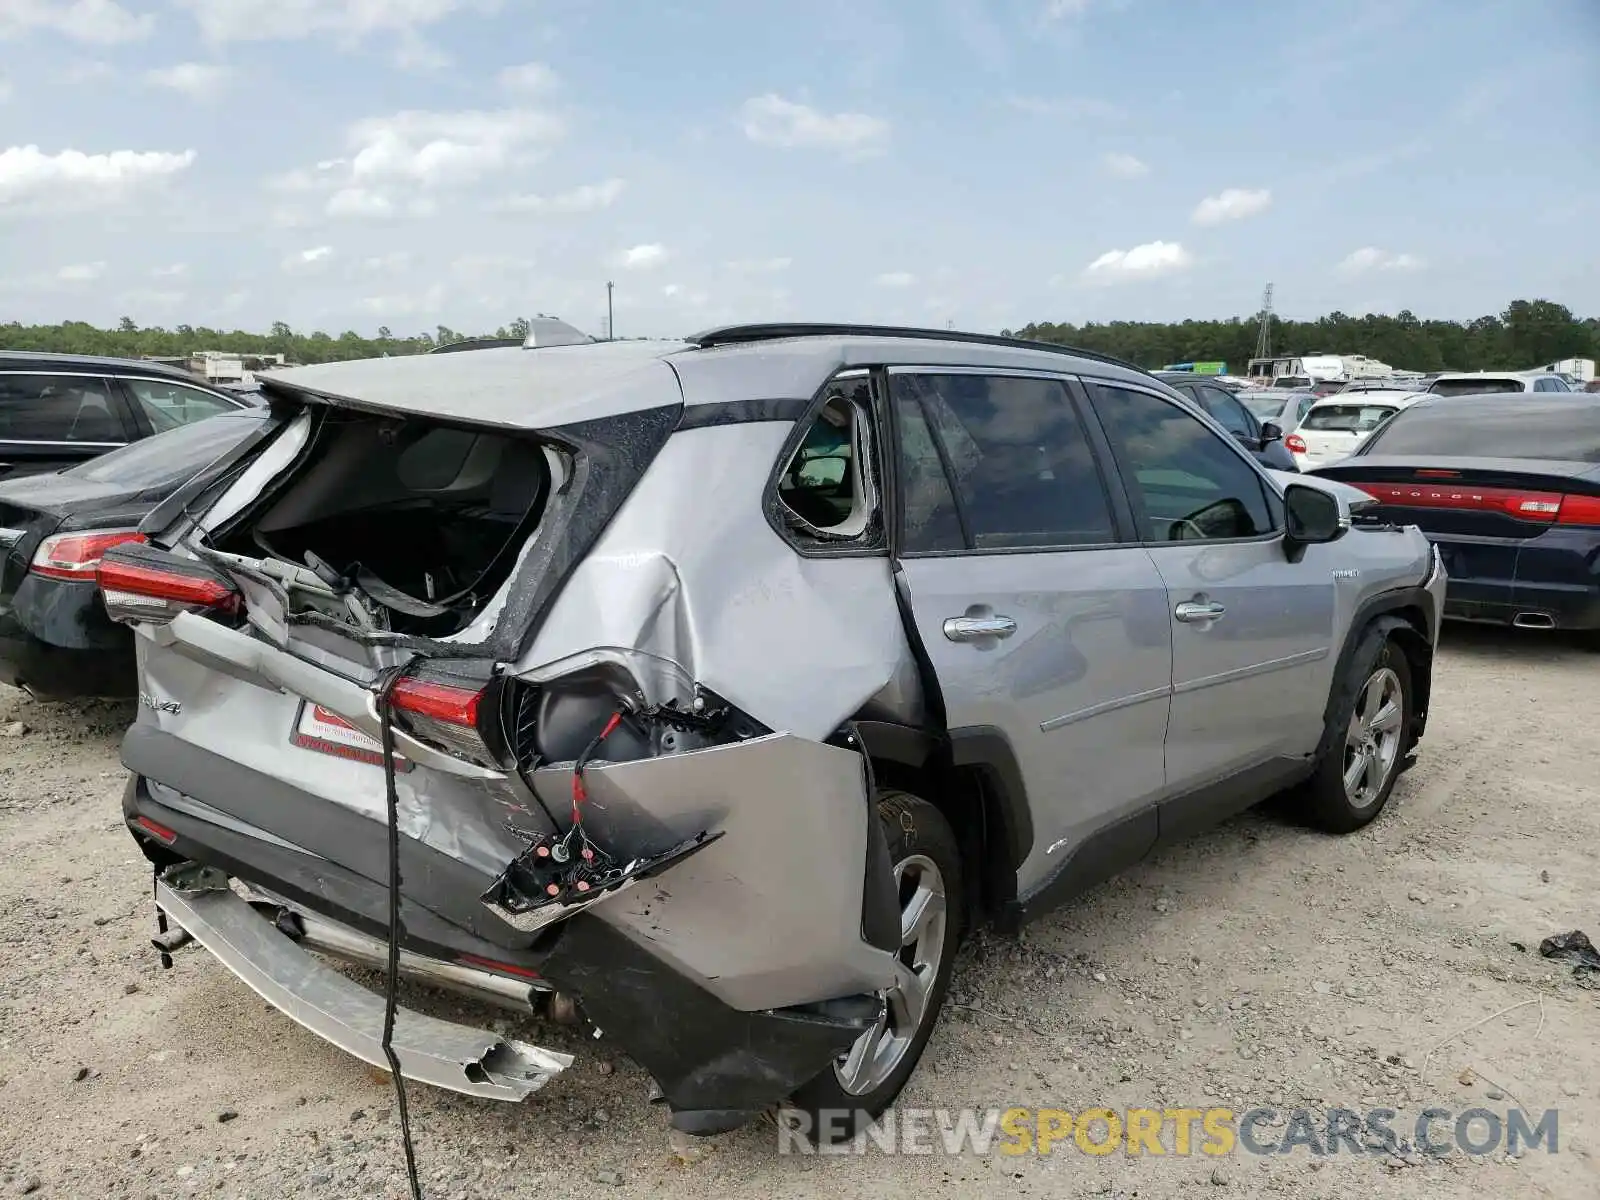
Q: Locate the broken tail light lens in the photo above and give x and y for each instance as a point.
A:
(159, 588)
(76, 556)
(443, 715)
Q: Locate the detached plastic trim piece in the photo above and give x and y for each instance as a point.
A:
(473, 1062)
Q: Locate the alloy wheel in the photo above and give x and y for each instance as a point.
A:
(1372, 741)
(878, 1053)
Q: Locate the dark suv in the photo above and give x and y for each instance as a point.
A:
(58, 410)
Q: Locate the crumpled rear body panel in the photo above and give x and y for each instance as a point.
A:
(770, 914)
(690, 570)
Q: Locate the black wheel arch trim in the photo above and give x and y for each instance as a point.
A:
(1389, 604)
(988, 750)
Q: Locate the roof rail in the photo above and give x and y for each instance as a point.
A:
(735, 335)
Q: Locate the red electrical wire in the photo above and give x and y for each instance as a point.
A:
(579, 792)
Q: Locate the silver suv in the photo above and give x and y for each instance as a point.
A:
(709, 689)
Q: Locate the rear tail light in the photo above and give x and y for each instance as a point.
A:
(1296, 443)
(77, 555)
(1551, 507)
(443, 715)
(155, 591)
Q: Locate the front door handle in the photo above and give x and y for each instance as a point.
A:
(1198, 610)
(973, 629)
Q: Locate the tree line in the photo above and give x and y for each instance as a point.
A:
(128, 340)
(1528, 333)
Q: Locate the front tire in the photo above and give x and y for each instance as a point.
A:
(927, 871)
(1368, 737)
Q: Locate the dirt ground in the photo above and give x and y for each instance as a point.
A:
(1260, 965)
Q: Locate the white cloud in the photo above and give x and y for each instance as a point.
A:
(81, 272)
(273, 20)
(590, 197)
(28, 175)
(528, 79)
(1061, 10)
(314, 257)
(197, 80)
(308, 179)
(359, 202)
(760, 266)
(1232, 204)
(671, 290)
(774, 121)
(1371, 258)
(1125, 166)
(1142, 262)
(639, 258)
(5, 90)
(171, 271)
(444, 148)
(896, 279)
(102, 21)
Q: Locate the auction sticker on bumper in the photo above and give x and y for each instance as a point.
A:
(326, 732)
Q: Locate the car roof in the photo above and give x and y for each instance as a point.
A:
(1453, 376)
(551, 386)
(46, 361)
(1469, 402)
(1391, 396)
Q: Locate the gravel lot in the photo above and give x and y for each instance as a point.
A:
(1262, 964)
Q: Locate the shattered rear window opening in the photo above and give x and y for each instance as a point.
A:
(827, 487)
(424, 519)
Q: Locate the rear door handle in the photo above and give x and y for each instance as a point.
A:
(972, 629)
(1198, 610)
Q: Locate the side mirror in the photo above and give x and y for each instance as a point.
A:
(1312, 517)
(1271, 431)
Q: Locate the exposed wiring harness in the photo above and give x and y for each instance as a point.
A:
(392, 977)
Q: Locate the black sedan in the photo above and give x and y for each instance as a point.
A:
(55, 638)
(1262, 439)
(1508, 488)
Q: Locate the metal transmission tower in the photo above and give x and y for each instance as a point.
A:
(1264, 336)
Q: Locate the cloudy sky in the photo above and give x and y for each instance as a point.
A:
(344, 164)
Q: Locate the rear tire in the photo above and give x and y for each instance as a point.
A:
(927, 866)
(1368, 737)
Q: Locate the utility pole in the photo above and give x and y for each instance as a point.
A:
(1264, 336)
(611, 323)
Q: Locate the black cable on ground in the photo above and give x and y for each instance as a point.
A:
(392, 982)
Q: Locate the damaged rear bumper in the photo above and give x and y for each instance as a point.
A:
(442, 1053)
(717, 1065)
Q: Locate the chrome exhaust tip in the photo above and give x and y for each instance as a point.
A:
(1533, 620)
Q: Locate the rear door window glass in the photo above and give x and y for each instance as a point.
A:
(930, 523)
(1025, 474)
(59, 408)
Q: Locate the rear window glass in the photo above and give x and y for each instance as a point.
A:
(1351, 418)
(169, 459)
(1266, 408)
(1534, 429)
(1474, 387)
